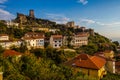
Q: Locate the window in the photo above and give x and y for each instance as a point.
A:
(59, 44)
(55, 45)
(41, 40)
(55, 41)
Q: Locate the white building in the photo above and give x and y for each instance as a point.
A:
(54, 30)
(35, 40)
(8, 44)
(4, 37)
(56, 41)
(80, 39)
(76, 40)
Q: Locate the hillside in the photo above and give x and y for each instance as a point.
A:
(97, 43)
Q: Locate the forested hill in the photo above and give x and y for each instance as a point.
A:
(98, 43)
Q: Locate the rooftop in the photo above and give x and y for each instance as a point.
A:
(87, 61)
(8, 53)
(3, 35)
(56, 36)
(33, 35)
(82, 34)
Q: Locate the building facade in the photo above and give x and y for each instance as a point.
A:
(91, 66)
(4, 37)
(56, 41)
(110, 62)
(35, 40)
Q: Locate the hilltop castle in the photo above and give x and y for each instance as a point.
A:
(21, 18)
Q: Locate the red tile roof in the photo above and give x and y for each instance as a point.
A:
(82, 34)
(11, 53)
(56, 36)
(83, 56)
(33, 35)
(91, 62)
(3, 35)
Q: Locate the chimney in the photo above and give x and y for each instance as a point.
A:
(1, 75)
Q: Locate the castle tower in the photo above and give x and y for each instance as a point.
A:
(71, 24)
(31, 14)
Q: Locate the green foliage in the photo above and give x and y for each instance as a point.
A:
(70, 54)
(116, 43)
(111, 76)
(23, 47)
(29, 67)
(38, 52)
(1, 49)
(89, 49)
(17, 33)
(98, 43)
(3, 27)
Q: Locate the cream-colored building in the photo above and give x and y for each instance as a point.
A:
(56, 41)
(110, 62)
(35, 40)
(91, 66)
(40, 29)
(54, 30)
(76, 40)
(70, 24)
(6, 43)
(4, 37)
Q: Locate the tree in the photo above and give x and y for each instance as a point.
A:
(1, 49)
(116, 43)
(89, 49)
(23, 47)
(38, 52)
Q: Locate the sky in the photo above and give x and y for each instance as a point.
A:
(101, 15)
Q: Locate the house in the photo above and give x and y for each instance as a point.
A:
(6, 43)
(9, 43)
(40, 29)
(108, 55)
(4, 37)
(117, 67)
(33, 39)
(54, 30)
(92, 66)
(79, 39)
(56, 41)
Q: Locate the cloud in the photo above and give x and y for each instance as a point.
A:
(2, 1)
(5, 15)
(90, 22)
(87, 21)
(84, 2)
(58, 18)
(112, 24)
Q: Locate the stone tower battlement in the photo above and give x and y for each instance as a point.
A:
(31, 13)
